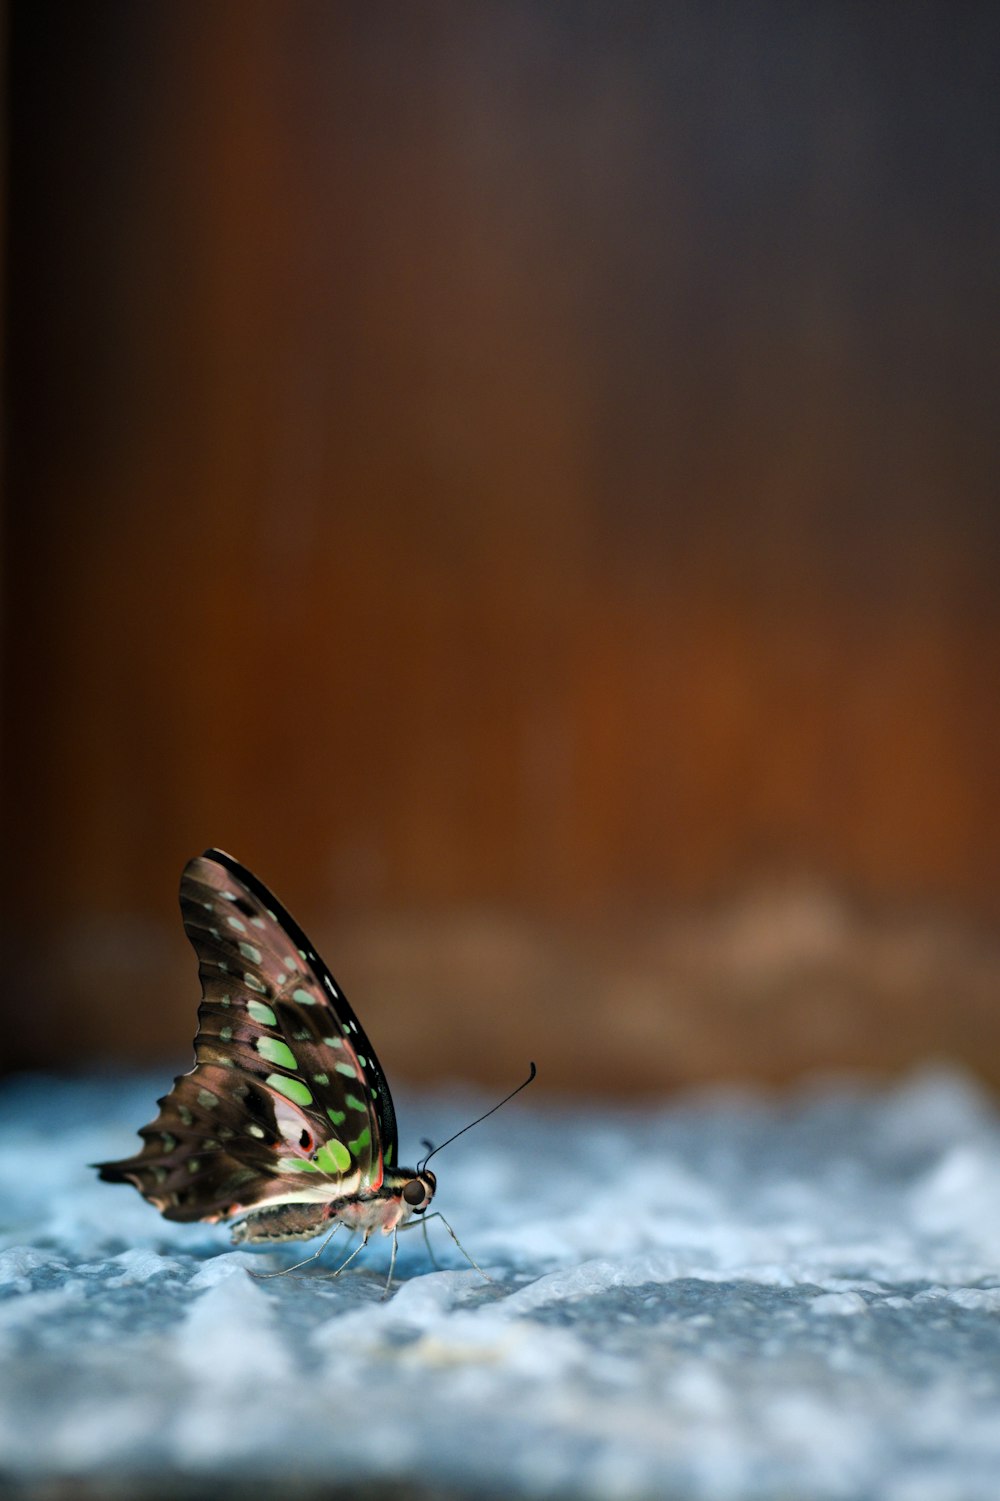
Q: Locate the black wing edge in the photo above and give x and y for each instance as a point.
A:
(384, 1105)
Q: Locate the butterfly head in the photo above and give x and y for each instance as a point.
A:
(418, 1190)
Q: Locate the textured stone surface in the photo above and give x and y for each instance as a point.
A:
(729, 1298)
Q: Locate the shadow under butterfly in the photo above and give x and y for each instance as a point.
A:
(286, 1123)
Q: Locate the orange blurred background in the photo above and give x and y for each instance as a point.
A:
(523, 478)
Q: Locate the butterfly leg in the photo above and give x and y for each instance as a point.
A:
(296, 1264)
(392, 1263)
(430, 1249)
(437, 1215)
(395, 1247)
(357, 1250)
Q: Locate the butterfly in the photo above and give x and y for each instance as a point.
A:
(285, 1123)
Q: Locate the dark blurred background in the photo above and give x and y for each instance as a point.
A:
(523, 478)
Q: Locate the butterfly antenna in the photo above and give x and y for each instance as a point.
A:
(433, 1151)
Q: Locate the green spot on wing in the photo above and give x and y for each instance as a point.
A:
(333, 1157)
(353, 1103)
(262, 1013)
(304, 997)
(360, 1143)
(348, 1069)
(337, 1116)
(207, 1100)
(298, 1165)
(249, 952)
(321, 1078)
(276, 1051)
(333, 1042)
(387, 1158)
(292, 1089)
(252, 983)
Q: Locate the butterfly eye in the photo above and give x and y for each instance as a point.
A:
(305, 1142)
(413, 1193)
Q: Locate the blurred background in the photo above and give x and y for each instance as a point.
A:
(523, 478)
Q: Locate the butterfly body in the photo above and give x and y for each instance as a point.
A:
(386, 1210)
(285, 1123)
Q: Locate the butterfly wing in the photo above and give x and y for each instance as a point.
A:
(286, 1102)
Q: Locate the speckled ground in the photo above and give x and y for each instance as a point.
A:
(727, 1299)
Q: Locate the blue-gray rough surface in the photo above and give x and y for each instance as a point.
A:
(728, 1299)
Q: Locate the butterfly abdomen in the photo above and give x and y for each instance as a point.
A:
(282, 1223)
